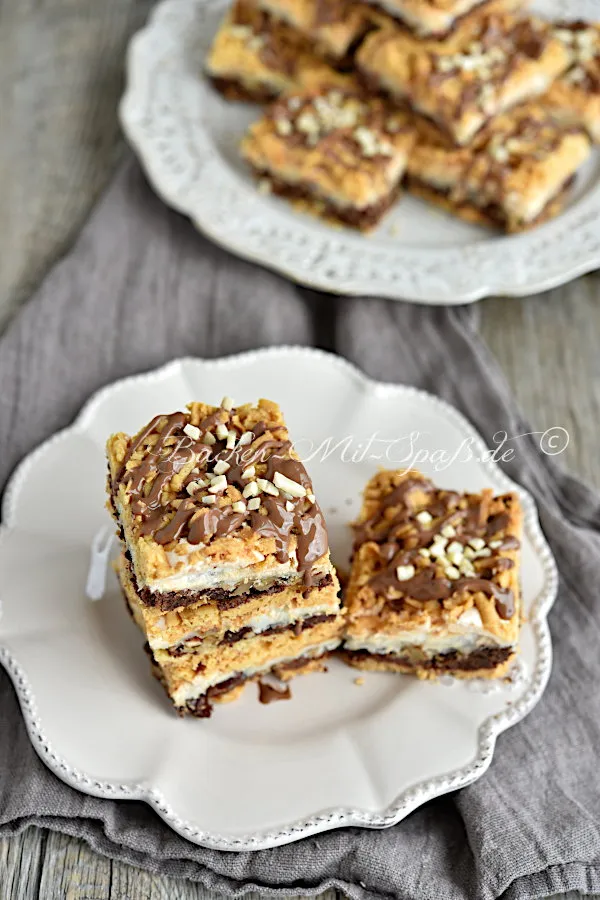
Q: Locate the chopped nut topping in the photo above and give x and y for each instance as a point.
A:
(239, 506)
(484, 551)
(466, 567)
(283, 127)
(209, 499)
(477, 543)
(448, 531)
(286, 484)
(209, 439)
(245, 439)
(254, 504)
(250, 472)
(267, 487)
(370, 144)
(404, 573)
(222, 431)
(242, 32)
(218, 484)
(437, 550)
(221, 467)
(424, 517)
(251, 490)
(499, 153)
(192, 431)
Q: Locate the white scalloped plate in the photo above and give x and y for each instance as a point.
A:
(186, 137)
(252, 776)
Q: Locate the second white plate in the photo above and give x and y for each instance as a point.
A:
(252, 776)
(187, 138)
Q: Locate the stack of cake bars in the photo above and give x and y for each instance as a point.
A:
(473, 105)
(225, 560)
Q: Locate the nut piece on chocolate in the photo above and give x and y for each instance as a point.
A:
(256, 58)
(515, 175)
(341, 153)
(434, 585)
(225, 565)
(575, 97)
(488, 64)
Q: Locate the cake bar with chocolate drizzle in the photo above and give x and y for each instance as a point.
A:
(575, 96)
(341, 154)
(256, 58)
(515, 174)
(490, 63)
(434, 585)
(225, 564)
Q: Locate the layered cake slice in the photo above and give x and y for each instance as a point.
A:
(434, 585)
(225, 563)
(342, 154)
(576, 95)
(255, 58)
(488, 64)
(515, 175)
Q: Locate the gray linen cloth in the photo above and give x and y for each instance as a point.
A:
(141, 287)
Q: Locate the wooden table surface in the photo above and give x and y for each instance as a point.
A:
(61, 67)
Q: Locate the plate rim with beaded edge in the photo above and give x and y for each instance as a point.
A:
(186, 136)
(340, 754)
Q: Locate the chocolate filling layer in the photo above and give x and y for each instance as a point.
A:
(232, 637)
(169, 600)
(363, 219)
(201, 707)
(486, 658)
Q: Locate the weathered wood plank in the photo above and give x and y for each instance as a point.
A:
(547, 346)
(21, 860)
(49, 866)
(72, 871)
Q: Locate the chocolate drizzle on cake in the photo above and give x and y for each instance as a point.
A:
(217, 444)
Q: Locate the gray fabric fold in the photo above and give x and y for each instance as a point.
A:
(141, 287)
